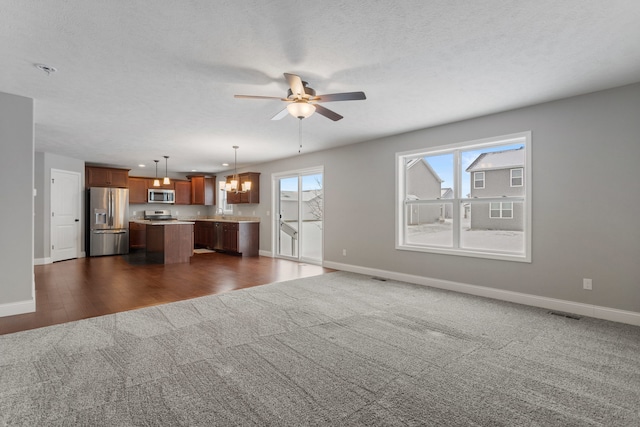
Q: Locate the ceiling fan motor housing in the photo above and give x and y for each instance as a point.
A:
(310, 92)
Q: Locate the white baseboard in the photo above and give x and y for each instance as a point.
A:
(47, 260)
(20, 307)
(599, 312)
(265, 253)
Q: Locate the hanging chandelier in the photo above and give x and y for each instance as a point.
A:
(231, 185)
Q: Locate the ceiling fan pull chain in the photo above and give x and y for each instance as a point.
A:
(300, 134)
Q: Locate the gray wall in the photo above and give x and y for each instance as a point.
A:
(44, 162)
(585, 153)
(16, 175)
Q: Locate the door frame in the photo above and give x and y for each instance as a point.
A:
(79, 212)
(275, 226)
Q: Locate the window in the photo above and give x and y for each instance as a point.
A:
(469, 199)
(222, 200)
(501, 210)
(516, 177)
(478, 180)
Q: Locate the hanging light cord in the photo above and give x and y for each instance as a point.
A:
(300, 134)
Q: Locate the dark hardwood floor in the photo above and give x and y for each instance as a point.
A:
(89, 287)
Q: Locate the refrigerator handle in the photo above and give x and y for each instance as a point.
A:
(110, 208)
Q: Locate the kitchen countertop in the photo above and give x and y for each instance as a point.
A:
(231, 219)
(149, 222)
(236, 220)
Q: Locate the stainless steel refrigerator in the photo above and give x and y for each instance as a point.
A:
(108, 221)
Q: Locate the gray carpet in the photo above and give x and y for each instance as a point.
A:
(337, 349)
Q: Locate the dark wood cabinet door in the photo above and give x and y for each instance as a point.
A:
(137, 190)
(183, 192)
(137, 235)
(230, 236)
(119, 178)
(96, 176)
(203, 190)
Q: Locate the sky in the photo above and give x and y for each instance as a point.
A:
(309, 182)
(443, 165)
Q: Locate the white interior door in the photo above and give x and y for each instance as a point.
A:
(299, 215)
(65, 215)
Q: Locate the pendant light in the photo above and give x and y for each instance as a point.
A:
(232, 185)
(156, 182)
(166, 180)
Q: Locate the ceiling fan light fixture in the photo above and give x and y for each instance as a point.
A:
(301, 109)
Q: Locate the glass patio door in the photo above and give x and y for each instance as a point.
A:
(299, 215)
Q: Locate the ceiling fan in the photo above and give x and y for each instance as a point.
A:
(302, 100)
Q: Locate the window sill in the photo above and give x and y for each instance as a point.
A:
(502, 256)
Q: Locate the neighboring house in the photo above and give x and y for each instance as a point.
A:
(423, 183)
(311, 205)
(447, 209)
(497, 174)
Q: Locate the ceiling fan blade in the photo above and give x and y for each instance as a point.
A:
(258, 97)
(280, 115)
(295, 83)
(346, 96)
(327, 113)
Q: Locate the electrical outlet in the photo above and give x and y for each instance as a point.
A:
(198, 213)
(344, 252)
(587, 284)
(134, 213)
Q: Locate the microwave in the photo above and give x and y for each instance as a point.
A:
(157, 195)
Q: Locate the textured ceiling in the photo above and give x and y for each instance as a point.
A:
(138, 80)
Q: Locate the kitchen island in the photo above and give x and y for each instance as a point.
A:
(169, 242)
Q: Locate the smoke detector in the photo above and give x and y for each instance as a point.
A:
(46, 68)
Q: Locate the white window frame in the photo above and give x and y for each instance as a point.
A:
(501, 210)
(222, 200)
(521, 177)
(476, 180)
(459, 201)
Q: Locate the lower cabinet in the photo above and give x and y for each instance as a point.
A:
(203, 234)
(231, 237)
(137, 235)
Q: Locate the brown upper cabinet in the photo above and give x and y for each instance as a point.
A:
(183, 192)
(96, 176)
(138, 190)
(203, 190)
(251, 196)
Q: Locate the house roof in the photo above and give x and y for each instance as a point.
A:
(411, 163)
(498, 160)
(306, 195)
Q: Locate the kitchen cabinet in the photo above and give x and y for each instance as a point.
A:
(204, 234)
(137, 235)
(251, 196)
(241, 238)
(169, 243)
(138, 190)
(97, 176)
(183, 192)
(203, 190)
